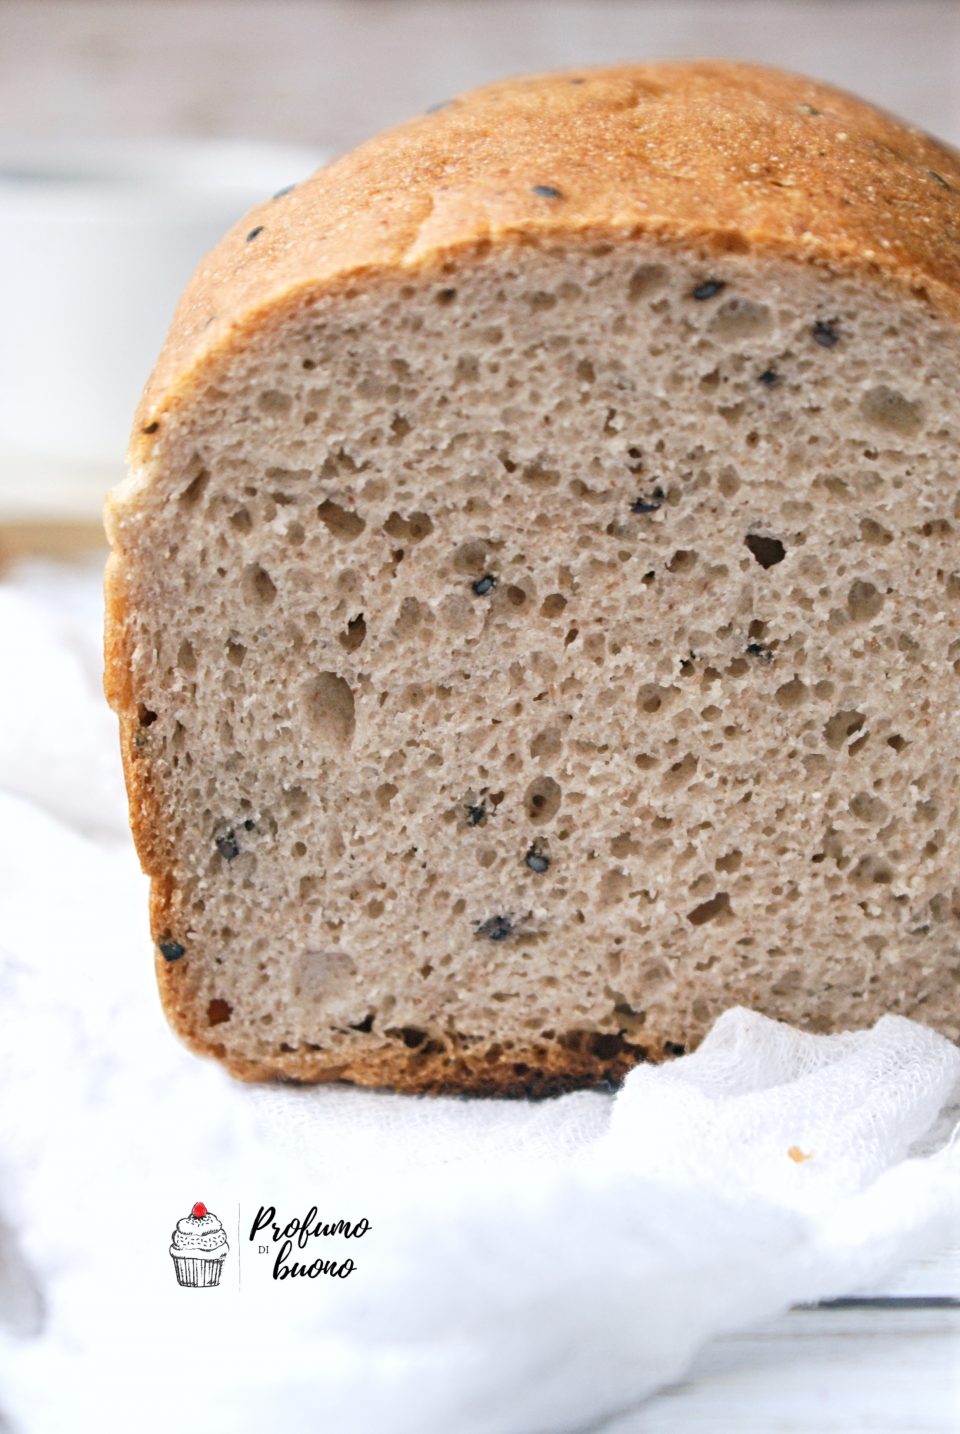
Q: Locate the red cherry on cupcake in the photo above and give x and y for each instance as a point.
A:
(199, 1210)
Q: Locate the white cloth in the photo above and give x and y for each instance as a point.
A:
(529, 1267)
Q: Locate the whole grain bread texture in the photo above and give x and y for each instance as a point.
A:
(534, 607)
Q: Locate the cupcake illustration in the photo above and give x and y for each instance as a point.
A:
(199, 1248)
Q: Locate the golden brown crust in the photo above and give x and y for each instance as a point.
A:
(732, 155)
(143, 807)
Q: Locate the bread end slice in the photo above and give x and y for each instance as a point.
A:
(527, 651)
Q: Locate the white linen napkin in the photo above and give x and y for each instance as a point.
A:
(529, 1266)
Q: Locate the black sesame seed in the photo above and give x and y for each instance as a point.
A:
(537, 860)
(227, 846)
(769, 377)
(709, 289)
(249, 824)
(440, 105)
(476, 816)
(152, 427)
(806, 109)
(674, 1048)
(495, 928)
(171, 950)
(759, 650)
(648, 505)
(254, 232)
(546, 191)
(485, 585)
(939, 179)
(287, 189)
(825, 333)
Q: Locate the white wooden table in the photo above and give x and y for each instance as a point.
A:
(887, 1367)
(329, 72)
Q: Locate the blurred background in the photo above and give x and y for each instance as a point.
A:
(134, 132)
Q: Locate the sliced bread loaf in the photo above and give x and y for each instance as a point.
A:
(534, 612)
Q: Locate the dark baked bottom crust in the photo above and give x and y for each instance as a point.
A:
(458, 1074)
(583, 1061)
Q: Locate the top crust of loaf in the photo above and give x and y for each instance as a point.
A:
(734, 156)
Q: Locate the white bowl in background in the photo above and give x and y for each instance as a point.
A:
(97, 241)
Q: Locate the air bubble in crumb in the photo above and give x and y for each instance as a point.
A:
(341, 522)
(259, 588)
(864, 601)
(645, 280)
(542, 799)
(329, 707)
(841, 726)
(767, 551)
(887, 408)
(716, 909)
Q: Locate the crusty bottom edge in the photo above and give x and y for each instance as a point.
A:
(517, 1072)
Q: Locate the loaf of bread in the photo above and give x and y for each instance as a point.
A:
(534, 608)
